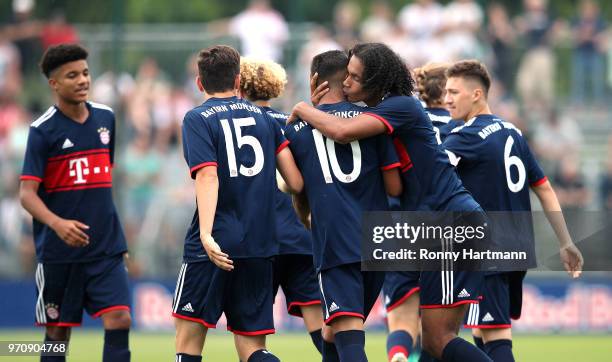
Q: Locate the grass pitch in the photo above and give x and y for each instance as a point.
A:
(86, 346)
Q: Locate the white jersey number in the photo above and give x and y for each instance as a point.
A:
(510, 161)
(242, 140)
(327, 146)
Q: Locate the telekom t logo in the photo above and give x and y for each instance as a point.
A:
(79, 168)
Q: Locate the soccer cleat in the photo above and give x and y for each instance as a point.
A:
(399, 357)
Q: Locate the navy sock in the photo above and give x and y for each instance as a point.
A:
(184, 357)
(116, 345)
(52, 358)
(460, 350)
(479, 343)
(399, 341)
(500, 350)
(317, 340)
(426, 357)
(262, 355)
(351, 345)
(330, 353)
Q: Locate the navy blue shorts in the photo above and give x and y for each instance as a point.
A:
(204, 291)
(296, 274)
(399, 286)
(501, 302)
(347, 291)
(448, 289)
(65, 289)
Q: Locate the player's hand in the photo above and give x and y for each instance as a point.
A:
(317, 92)
(572, 260)
(215, 254)
(72, 232)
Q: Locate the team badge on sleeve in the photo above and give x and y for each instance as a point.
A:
(104, 135)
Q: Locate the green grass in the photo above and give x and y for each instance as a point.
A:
(86, 346)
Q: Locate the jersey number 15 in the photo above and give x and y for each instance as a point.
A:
(242, 141)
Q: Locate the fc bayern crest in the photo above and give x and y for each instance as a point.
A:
(52, 311)
(104, 135)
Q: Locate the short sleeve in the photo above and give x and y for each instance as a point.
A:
(280, 141)
(398, 112)
(535, 174)
(387, 154)
(111, 146)
(36, 155)
(199, 145)
(459, 146)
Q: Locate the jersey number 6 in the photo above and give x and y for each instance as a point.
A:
(510, 161)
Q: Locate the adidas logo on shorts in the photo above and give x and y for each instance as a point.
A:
(463, 294)
(188, 308)
(487, 318)
(333, 307)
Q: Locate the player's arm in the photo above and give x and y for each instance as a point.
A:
(570, 255)
(341, 130)
(393, 182)
(302, 208)
(207, 191)
(72, 232)
(289, 171)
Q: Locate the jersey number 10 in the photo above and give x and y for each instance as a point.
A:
(327, 146)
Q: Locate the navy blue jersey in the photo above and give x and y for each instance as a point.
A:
(242, 141)
(73, 163)
(494, 163)
(293, 237)
(341, 181)
(430, 181)
(442, 122)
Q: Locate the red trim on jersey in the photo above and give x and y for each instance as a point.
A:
(282, 147)
(402, 153)
(30, 177)
(197, 320)
(488, 326)
(80, 153)
(402, 299)
(539, 182)
(340, 314)
(298, 313)
(254, 333)
(387, 124)
(397, 349)
(202, 165)
(57, 324)
(110, 309)
(74, 188)
(391, 166)
(435, 306)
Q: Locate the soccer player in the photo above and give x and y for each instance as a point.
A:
(261, 81)
(342, 181)
(230, 146)
(497, 167)
(66, 186)
(379, 77)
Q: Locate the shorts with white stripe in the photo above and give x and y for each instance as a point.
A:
(496, 307)
(65, 289)
(203, 292)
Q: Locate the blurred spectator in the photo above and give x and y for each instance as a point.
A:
(502, 38)
(422, 21)
(262, 31)
(570, 185)
(10, 70)
(379, 24)
(58, 31)
(112, 90)
(536, 74)
(346, 19)
(588, 63)
(605, 186)
(319, 41)
(558, 136)
(462, 21)
(25, 32)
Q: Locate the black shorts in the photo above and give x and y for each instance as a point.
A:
(295, 273)
(399, 286)
(204, 291)
(65, 289)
